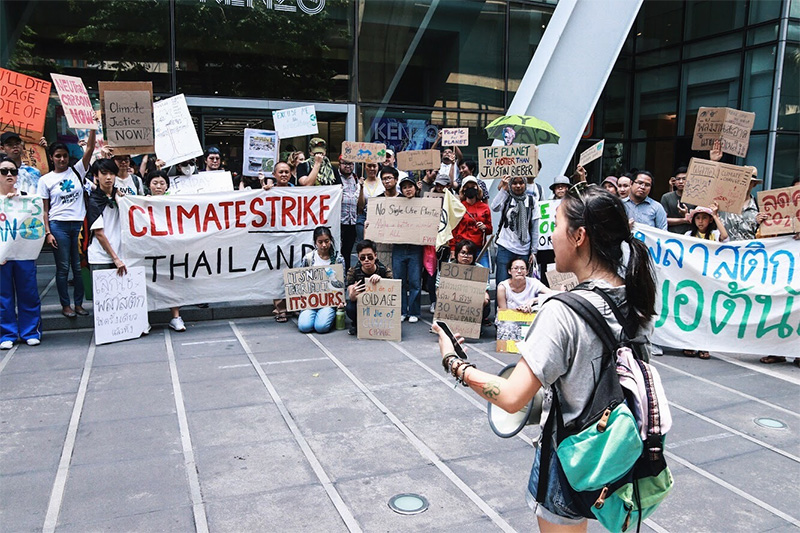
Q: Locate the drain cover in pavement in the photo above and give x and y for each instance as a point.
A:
(408, 503)
(770, 423)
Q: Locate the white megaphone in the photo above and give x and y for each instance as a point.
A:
(506, 424)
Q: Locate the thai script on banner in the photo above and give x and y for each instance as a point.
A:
(223, 247)
(739, 296)
(21, 228)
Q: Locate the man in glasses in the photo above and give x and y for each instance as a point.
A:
(675, 208)
(640, 207)
(368, 270)
(28, 178)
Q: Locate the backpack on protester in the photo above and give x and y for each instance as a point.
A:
(611, 458)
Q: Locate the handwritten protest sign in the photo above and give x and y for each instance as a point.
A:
(295, 122)
(455, 136)
(176, 139)
(314, 287)
(120, 305)
(465, 272)
(23, 104)
(363, 152)
(514, 160)
(511, 329)
(547, 222)
(75, 101)
(223, 247)
(21, 228)
(730, 126)
(592, 153)
(34, 155)
(128, 116)
(419, 159)
(783, 208)
(378, 311)
(202, 182)
(561, 280)
(403, 220)
(431, 194)
(260, 151)
(725, 295)
(710, 181)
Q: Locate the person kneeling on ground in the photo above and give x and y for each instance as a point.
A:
(320, 320)
(368, 270)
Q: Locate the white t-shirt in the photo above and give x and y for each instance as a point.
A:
(129, 185)
(515, 300)
(63, 189)
(111, 226)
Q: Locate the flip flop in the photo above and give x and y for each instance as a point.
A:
(69, 314)
(281, 318)
(772, 359)
(690, 353)
(703, 354)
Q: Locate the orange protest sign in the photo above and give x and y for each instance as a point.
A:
(23, 104)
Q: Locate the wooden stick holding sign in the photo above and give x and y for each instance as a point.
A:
(460, 297)
(128, 116)
(419, 159)
(378, 311)
(403, 220)
(314, 287)
(709, 181)
(783, 207)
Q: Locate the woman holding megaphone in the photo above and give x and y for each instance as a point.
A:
(591, 235)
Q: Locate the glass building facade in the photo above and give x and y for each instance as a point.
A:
(396, 71)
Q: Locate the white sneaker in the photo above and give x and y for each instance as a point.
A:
(433, 307)
(403, 318)
(6, 345)
(177, 324)
(147, 330)
(33, 342)
(413, 319)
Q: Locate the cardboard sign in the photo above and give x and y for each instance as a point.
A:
(730, 126)
(314, 287)
(21, 228)
(176, 139)
(128, 116)
(516, 160)
(295, 122)
(403, 220)
(363, 152)
(592, 153)
(431, 194)
(75, 101)
(378, 311)
(120, 305)
(202, 182)
(783, 208)
(23, 104)
(34, 156)
(260, 151)
(561, 280)
(419, 159)
(511, 329)
(460, 304)
(710, 181)
(464, 272)
(455, 136)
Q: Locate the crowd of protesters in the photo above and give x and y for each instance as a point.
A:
(509, 248)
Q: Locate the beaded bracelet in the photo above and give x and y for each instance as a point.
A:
(448, 360)
(463, 373)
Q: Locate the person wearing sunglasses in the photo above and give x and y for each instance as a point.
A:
(28, 178)
(368, 270)
(593, 240)
(640, 207)
(20, 306)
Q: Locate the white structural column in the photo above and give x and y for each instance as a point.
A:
(569, 71)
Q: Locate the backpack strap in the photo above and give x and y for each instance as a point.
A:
(591, 315)
(629, 323)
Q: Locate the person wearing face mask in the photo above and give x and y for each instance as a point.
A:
(322, 172)
(476, 223)
(185, 168)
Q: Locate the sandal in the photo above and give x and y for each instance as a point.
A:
(68, 312)
(702, 354)
(281, 318)
(796, 362)
(690, 353)
(772, 359)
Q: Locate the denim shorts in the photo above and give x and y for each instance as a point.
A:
(557, 507)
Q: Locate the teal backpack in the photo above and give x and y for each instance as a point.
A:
(611, 472)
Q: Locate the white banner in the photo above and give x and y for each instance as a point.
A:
(120, 305)
(21, 228)
(176, 138)
(295, 122)
(202, 182)
(740, 296)
(223, 247)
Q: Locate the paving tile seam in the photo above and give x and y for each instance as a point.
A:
(59, 484)
(198, 507)
(732, 488)
(330, 489)
(85, 526)
(729, 389)
(7, 357)
(757, 368)
(420, 445)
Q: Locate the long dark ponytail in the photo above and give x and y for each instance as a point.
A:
(606, 222)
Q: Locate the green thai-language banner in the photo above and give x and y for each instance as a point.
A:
(738, 296)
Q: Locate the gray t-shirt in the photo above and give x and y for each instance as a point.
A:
(562, 349)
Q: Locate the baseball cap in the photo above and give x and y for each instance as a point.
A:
(317, 145)
(7, 136)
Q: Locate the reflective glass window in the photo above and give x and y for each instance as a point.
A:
(658, 157)
(446, 53)
(761, 10)
(298, 50)
(657, 57)
(759, 72)
(789, 108)
(709, 47)
(710, 83)
(794, 8)
(787, 160)
(656, 102)
(757, 153)
(526, 26)
(658, 24)
(762, 34)
(709, 17)
(616, 104)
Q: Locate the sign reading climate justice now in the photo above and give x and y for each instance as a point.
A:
(223, 247)
(21, 228)
(727, 296)
(515, 160)
(128, 116)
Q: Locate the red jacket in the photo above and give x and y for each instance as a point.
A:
(468, 228)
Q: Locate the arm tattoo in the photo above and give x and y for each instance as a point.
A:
(491, 389)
